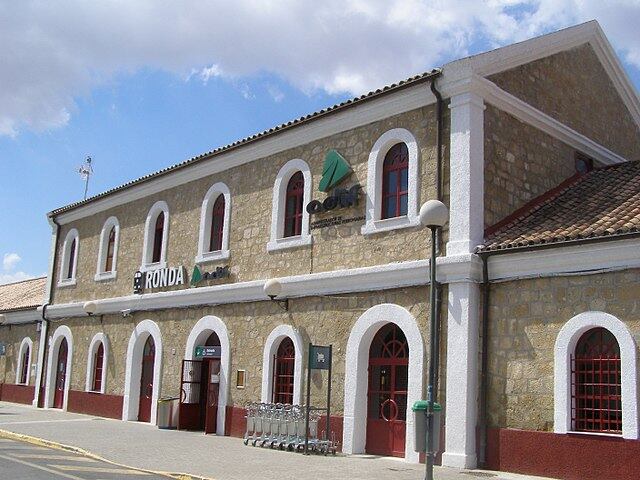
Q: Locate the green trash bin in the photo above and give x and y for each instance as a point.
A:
(420, 425)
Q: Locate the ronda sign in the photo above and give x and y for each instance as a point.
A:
(162, 277)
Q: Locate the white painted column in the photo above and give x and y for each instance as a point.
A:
(466, 231)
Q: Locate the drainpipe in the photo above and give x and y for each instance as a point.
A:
(484, 377)
(44, 333)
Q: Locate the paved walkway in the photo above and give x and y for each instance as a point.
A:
(221, 458)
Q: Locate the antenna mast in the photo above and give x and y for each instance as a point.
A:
(85, 172)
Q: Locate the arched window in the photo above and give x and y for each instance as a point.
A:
(108, 250)
(157, 238)
(111, 245)
(72, 254)
(98, 365)
(294, 206)
(69, 259)
(217, 224)
(395, 182)
(24, 367)
(596, 404)
(283, 372)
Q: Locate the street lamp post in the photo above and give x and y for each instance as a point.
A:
(433, 214)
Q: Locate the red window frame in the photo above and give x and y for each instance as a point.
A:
(283, 372)
(217, 224)
(395, 182)
(72, 254)
(596, 378)
(293, 205)
(111, 243)
(24, 372)
(157, 238)
(98, 365)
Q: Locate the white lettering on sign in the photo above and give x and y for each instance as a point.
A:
(320, 357)
(164, 277)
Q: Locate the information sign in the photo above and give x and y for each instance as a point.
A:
(208, 352)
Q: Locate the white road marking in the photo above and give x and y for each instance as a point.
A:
(82, 468)
(44, 469)
(44, 456)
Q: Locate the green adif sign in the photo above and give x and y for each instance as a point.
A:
(203, 351)
(334, 170)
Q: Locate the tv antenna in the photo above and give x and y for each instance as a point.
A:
(85, 172)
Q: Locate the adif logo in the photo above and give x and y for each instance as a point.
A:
(334, 170)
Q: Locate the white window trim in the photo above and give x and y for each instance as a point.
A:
(64, 260)
(565, 345)
(205, 224)
(93, 348)
(56, 340)
(271, 346)
(374, 223)
(26, 343)
(149, 230)
(131, 401)
(278, 241)
(102, 275)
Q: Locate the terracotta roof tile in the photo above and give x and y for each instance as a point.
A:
(22, 295)
(602, 203)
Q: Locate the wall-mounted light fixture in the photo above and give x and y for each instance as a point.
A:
(3, 318)
(273, 289)
(90, 308)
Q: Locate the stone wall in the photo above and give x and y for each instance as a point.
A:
(521, 163)
(321, 320)
(251, 188)
(525, 319)
(12, 336)
(573, 87)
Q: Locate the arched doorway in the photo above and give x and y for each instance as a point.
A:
(61, 374)
(283, 372)
(387, 392)
(210, 388)
(146, 380)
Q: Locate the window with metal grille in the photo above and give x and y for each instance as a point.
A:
(111, 244)
(157, 239)
(395, 182)
(293, 206)
(71, 260)
(98, 365)
(283, 368)
(217, 224)
(596, 402)
(24, 372)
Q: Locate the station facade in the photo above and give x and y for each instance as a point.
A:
(537, 269)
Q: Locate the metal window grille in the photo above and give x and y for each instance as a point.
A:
(97, 368)
(395, 182)
(24, 373)
(283, 372)
(596, 403)
(294, 205)
(217, 224)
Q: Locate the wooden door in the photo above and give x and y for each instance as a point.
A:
(213, 389)
(61, 375)
(387, 394)
(146, 380)
(189, 413)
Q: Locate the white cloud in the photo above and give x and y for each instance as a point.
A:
(54, 52)
(10, 260)
(14, 277)
(276, 94)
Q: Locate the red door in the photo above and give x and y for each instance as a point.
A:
(387, 395)
(283, 372)
(146, 381)
(61, 375)
(213, 388)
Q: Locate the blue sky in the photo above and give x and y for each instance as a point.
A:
(139, 88)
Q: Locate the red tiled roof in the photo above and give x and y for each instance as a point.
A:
(22, 295)
(602, 203)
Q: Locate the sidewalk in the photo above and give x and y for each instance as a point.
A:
(221, 458)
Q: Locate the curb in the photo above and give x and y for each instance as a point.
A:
(41, 442)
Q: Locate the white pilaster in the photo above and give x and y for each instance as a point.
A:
(466, 223)
(462, 375)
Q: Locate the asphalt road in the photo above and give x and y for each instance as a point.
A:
(23, 461)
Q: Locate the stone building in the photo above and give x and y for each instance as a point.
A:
(531, 147)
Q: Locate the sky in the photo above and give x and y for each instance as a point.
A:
(141, 85)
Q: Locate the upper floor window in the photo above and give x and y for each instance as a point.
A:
(97, 363)
(24, 361)
(392, 183)
(395, 182)
(597, 383)
(156, 231)
(294, 205)
(290, 219)
(214, 224)
(69, 259)
(108, 250)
